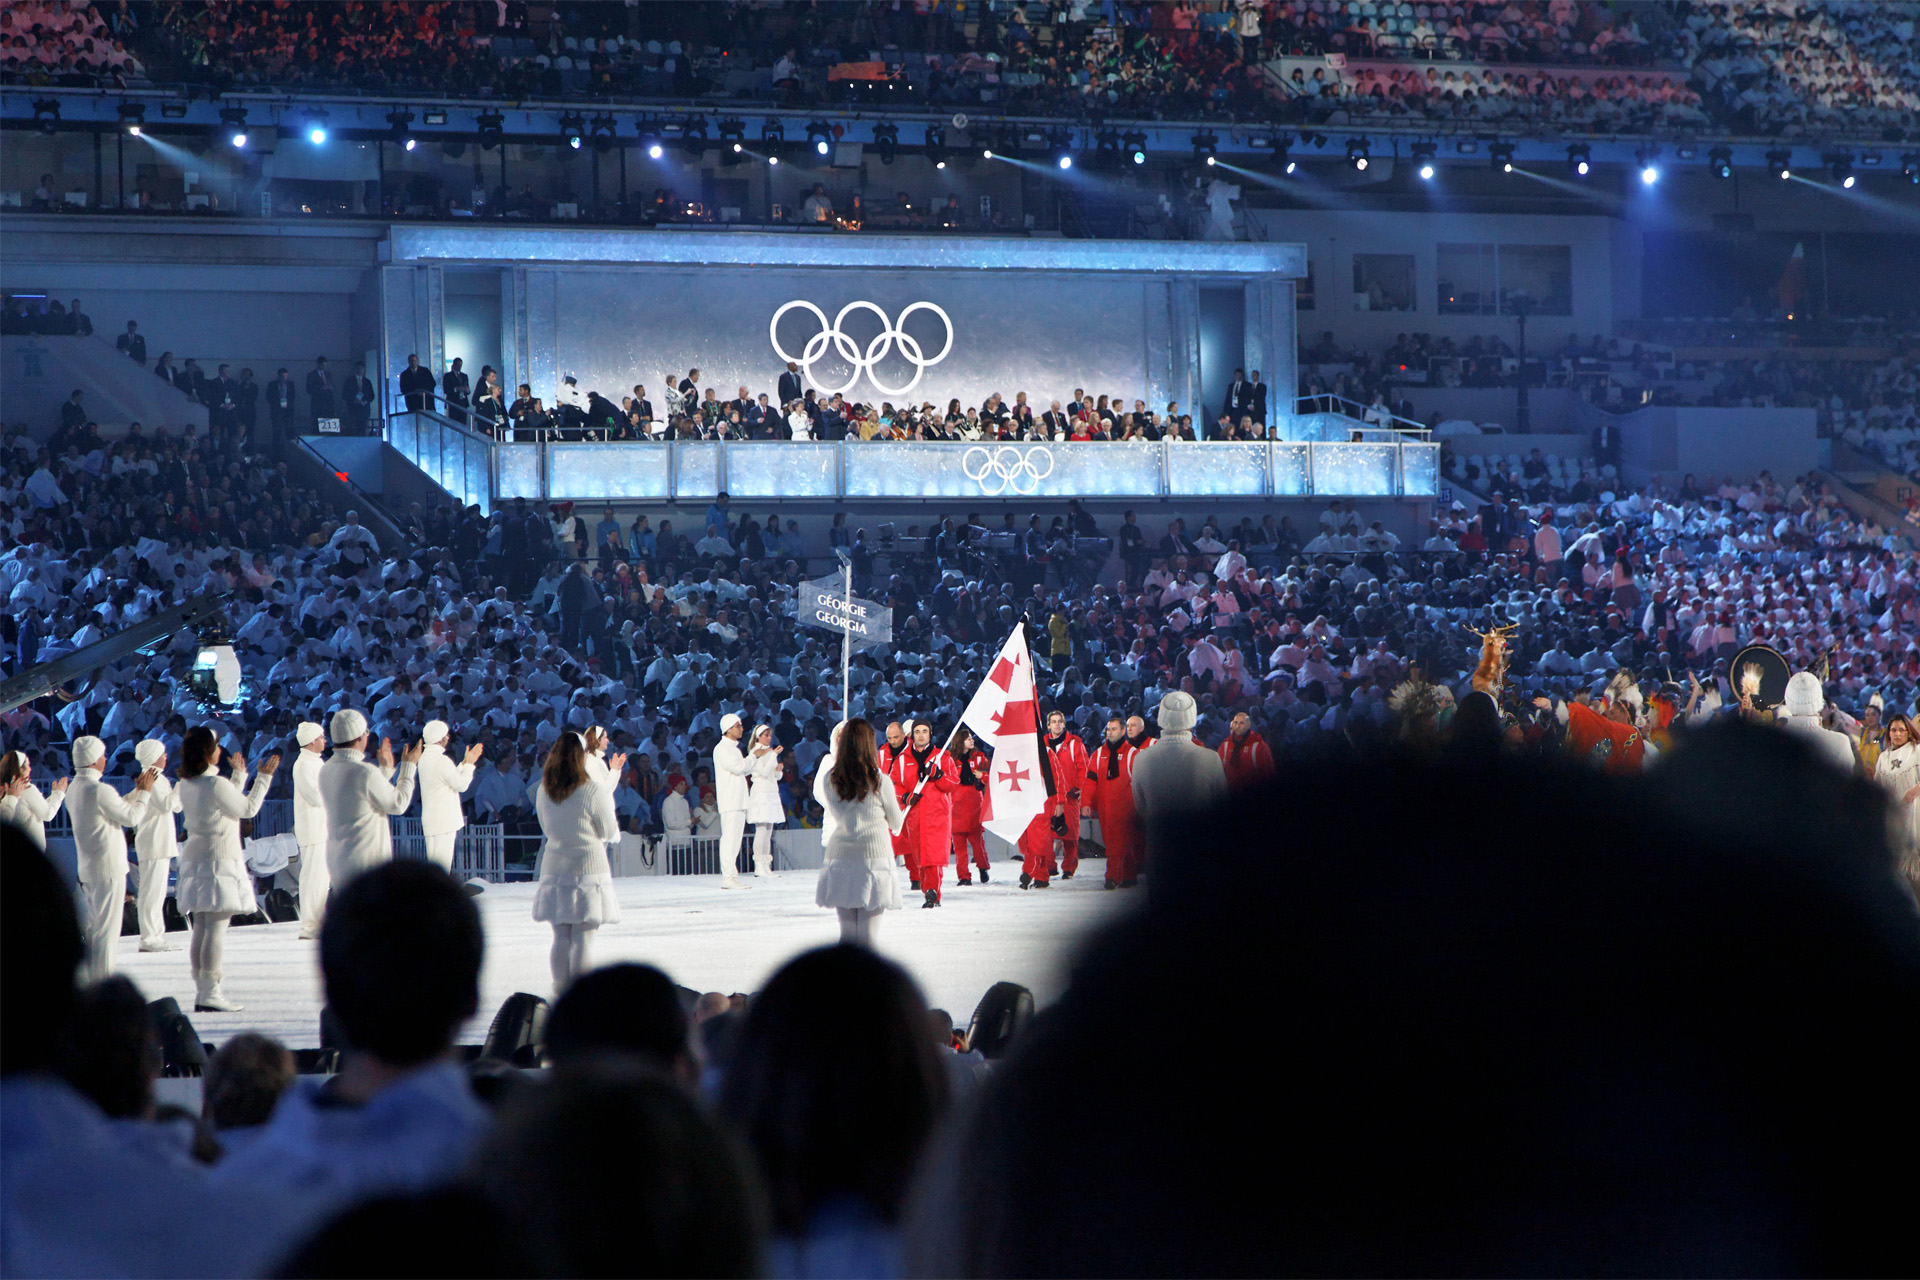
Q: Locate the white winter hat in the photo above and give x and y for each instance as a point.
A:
(307, 733)
(347, 725)
(1178, 713)
(1804, 697)
(88, 750)
(727, 722)
(149, 751)
(436, 731)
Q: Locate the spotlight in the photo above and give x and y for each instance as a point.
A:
(1720, 161)
(1204, 147)
(693, 131)
(492, 127)
(820, 134)
(773, 160)
(399, 124)
(886, 140)
(133, 116)
(1135, 145)
(1649, 171)
(650, 140)
(936, 146)
(772, 134)
(1281, 160)
(604, 130)
(1357, 153)
(1580, 159)
(1841, 167)
(316, 127)
(573, 129)
(1780, 162)
(1060, 147)
(1424, 154)
(1501, 154)
(235, 120)
(733, 136)
(46, 114)
(1106, 149)
(1910, 166)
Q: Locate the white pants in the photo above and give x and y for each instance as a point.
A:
(440, 850)
(315, 884)
(150, 903)
(101, 913)
(207, 944)
(856, 925)
(763, 849)
(572, 944)
(733, 829)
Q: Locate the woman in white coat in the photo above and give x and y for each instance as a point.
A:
(21, 802)
(441, 783)
(1898, 770)
(214, 884)
(764, 809)
(862, 815)
(576, 881)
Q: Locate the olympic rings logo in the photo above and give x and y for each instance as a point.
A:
(1006, 469)
(849, 350)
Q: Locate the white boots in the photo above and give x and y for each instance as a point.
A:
(207, 997)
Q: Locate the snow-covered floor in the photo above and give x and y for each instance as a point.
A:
(702, 936)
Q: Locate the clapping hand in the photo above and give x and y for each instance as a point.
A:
(273, 762)
(145, 781)
(238, 761)
(60, 784)
(412, 755)
(385, 755)
(618, 763)
(474, 753)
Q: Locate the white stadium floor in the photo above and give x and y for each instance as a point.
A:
(704, 937)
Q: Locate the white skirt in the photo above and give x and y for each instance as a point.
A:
(218, 886)
(581, 899)
(866, 884)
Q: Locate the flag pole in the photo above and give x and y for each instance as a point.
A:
(846, 637)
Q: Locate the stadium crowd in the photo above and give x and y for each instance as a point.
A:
(64, 42)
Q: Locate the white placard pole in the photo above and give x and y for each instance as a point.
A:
(846, 647)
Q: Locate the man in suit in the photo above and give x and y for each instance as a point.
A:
(246, 402)
(321, 396)
(1053, 423)
(1239, 398)
(1259, 410)
(642, 406)
(163, 369)
(133, 342)
(280, 397)
(1606, 445)
(790, 388)
(416, 384)
(217, 394)
(356, 399)
(73, 414)
(455, 386)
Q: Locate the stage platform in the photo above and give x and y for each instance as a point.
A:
(704, 937)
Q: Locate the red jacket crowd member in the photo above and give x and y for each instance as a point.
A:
(1068, 756)
(1245, 755)
(927, 836)
(1110, 793)
(886, 753)
(969, 798)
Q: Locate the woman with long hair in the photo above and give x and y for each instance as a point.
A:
(214, 884)
(576, 881)
(764, 809)
(1898, 770)
(862, 815)
(21, 802)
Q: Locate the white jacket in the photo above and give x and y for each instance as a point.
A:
(359, 800)
(676, 816)
(309, 809)
(213, 871)
(730, 770)
(577, 830)
(100, 817)
(1175, 774)
(763, 791)
(153, 839)
(31, 811)
(442, 781)
(860, 828)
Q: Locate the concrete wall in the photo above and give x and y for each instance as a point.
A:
(1671, 442)
(1550, 409)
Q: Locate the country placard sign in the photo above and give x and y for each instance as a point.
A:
(826, 606)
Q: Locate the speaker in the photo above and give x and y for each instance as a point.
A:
(998, 1018)
(518, 1030)
(181, 1052)
(281, 907)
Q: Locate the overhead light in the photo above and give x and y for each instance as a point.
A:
(936, 145)
(401, 125)
(1910, 166)
(605, 131)
(651, 139)
(133, 116)
(1205, 145)
(820, 134)
(573, 129)
(1135, 145)
(1106, 149)
(886, 140)
(1357, 153)
(1720, 162)
(1424, 155)
(1580, 159)
(492, 129)
(1501, 154)
(1840, 166)
(235, 121)
(693, 131)
(1281, 160)
(772, 160)
(733, 137)
(1060, 147)
(1646, 158)
(1780, 162)
(1317, 140)
(46, 114)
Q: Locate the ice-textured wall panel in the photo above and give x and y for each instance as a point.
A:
(1011, 472)
(1291, 477)
(1219, 469)
(1354, 470)
(592, 471)
(783, 469)
(519, 471)
(696, 472)
(403, 433)
(1420, 470)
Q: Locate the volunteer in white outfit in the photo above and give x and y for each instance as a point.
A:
(154, 842)
(441, 784)
(676, 819)
(576, 879)
(360, 798)
(310, 828)
(21, 802)
(214, 884)
(764, 809)
(730, 772)
(1898, 770)
(100, 817)
(862, 814)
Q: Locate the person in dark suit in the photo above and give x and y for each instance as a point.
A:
(356, 400)
(790, 388)
(322, 398)
(1259, 411)
(455, 386)
(417, 385)
(280, 398)
(82, 322)
(133, 342)
(1606, 445)
(642, 406)
(1239, 397)
(163, 369)
(217, 394)
(246, 402)
(73, 414)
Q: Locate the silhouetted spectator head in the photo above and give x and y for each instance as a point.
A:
(400, 953)
(455, 1231)
(244, 1080)
(836, 1084)
(40, 951)
(112, 1054)
(610, 1169)
(622, 1009)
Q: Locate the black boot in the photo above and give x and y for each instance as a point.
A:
(1026, 881)
(984, 877)
(931, 901)
(915, 882)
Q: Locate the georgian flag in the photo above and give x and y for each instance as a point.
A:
(1005, 715)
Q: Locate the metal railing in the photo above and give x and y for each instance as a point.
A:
(1327, 402)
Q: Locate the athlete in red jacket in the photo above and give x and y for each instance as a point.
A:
(928, 833)
(1244, 754)
(1068, 756)
(969, 797)
(887, 752)
(1110, 793)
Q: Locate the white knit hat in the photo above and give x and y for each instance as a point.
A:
(347, 725)
(1804, 695)
(436, 731)
(308, 733)
(149, 751)
(1178, 713)
(727, 722)
(88, 750)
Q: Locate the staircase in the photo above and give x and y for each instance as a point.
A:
(41, 371)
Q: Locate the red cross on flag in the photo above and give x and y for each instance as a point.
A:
(1004, 715)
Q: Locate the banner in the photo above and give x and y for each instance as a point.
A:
(825, 605)
(1005, 715)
